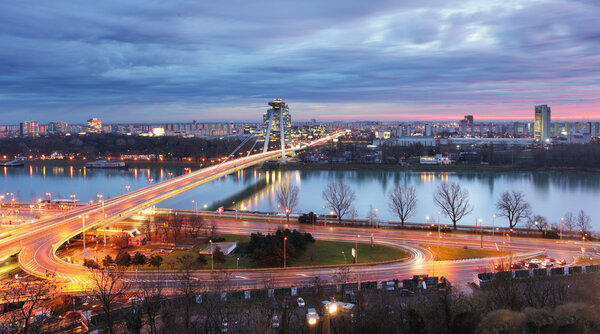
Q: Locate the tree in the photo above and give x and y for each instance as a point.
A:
(201, 259)
(139, 259)
(176, 226)
(155, 261)
(123, 259)
(339, 197)
(453, 200)
(107, 287)
(26, 297)
(403, 202)
(371, 215)
(513, 206)
(195, 226)
(90, 263)
(569, 222)
(151, 301)
(108, 261)
(584, 222)
(286, 196)
(218, 255)
(537, 222)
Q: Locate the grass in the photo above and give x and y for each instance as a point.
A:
(327, 253)
(587, 261)
(459, 253)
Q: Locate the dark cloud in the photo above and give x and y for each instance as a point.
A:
(70, 59)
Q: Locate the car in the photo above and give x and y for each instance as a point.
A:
(135, 299)
(531, 265)
(406, 293)
(301, 302)
(549, 259)
(516, 265)
(275, 321)
(536, 261)
(547, 264)
(562, 262)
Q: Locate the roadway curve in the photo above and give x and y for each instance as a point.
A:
(37, 243)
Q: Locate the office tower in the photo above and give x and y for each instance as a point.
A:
(94, 125)
(541, 124)
(29, 129)
(58, 127)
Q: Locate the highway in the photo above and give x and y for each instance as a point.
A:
(36, 243)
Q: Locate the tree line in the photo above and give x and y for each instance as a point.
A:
(453, 201)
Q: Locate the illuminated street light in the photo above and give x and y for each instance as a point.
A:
(83, 233)
(212, 263)
(284, 258)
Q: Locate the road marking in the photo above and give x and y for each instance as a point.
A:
(242, 277)
(304, 275)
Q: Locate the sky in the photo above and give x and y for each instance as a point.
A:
(169, 61)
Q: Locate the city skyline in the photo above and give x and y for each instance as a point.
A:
(217, 62)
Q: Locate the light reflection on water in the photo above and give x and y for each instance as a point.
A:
(551, 194)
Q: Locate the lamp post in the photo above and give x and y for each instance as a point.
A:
(356, 249)
(212, 265)
(83, 233)
(127, 187)
(284, 258)
(481, 228)
(376, 218)
(561, 222)
(195, 206)
(324, 215)
(493, 221)
(237, 264)
(49, 195)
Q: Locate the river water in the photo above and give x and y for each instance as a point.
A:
(551, 194)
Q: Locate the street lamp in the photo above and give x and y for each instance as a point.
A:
(324, 215)
(237, 264)
(212, 264)
(196, 206)
(561, 223)
(83, 233)
(493, 221)
(284, 263)
(127, 187)
(356, 250)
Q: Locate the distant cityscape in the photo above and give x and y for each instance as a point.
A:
(541, 130)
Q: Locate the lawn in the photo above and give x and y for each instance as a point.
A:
(584, 261)
(322, 253)
(459, 253)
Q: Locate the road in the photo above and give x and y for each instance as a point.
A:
(37, 243)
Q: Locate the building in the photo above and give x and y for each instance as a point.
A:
(29, 129)
(541, 124)
(58, 127)
(273, 116)
(94, 125)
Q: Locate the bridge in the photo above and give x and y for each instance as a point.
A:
(37, 244)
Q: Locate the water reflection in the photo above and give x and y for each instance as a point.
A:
(551, 193)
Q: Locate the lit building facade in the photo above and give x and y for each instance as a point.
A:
(94, 125)
(29, 129)
(541, 124)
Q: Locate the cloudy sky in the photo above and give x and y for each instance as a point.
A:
(336, 59)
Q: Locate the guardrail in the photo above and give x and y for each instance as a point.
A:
(484, 279)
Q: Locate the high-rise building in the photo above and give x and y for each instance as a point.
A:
(541, 124)
(58, 127)
(279, 111)
(29, 129)
(94, 125)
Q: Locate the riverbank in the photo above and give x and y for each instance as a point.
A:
(430, 168)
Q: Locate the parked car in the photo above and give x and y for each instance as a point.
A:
(549, 259)
(536, 261)
(547, 264)
(562, 262)
(516, 265)
(275, 321)
(135, 299)
(531, 265)
(301, 302)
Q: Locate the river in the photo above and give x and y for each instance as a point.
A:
(551, 194)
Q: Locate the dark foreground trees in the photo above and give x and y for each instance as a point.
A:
(267, 250)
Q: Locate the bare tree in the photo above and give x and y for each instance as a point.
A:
(371, 215)
(107, 286)
(403, 202)
(584, 222)
(339, 196)
(196, 224)
(453, 200)
(569, 223)
(513, 206)
(152, 293)
(176, 226)
(537, 222)
(28, 297)
(287, 198)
